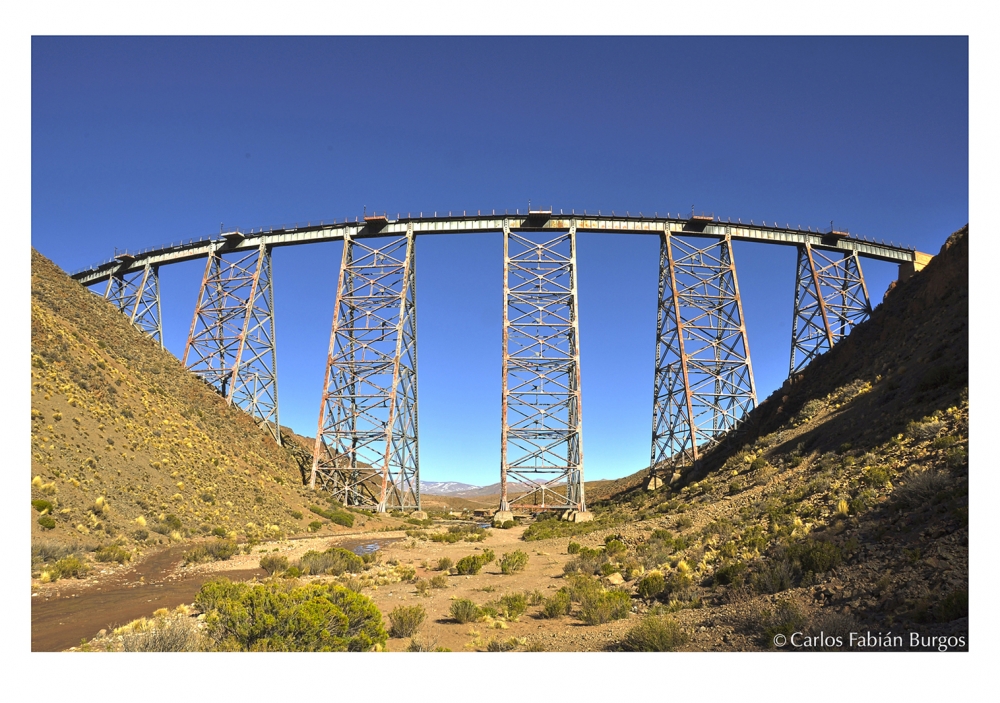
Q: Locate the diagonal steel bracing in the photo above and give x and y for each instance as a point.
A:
(830, 300)
(703, 383)
(541, 435)
(137, 294)
(366, 443)
(232, 343)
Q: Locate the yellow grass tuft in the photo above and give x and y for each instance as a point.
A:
(36, 482)
(140, 521)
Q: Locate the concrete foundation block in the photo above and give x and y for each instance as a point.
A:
(585, 516)
(419, 514)
(502, 516)
(653, 483)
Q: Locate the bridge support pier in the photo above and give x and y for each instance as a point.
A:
(541, 430)
(232, 340)
(703, 377)
(830, 300)
(137, 294)
(366, 451)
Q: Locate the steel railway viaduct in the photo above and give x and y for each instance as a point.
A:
(366, 450)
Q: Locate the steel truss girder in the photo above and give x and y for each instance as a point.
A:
(830, 300)
(232, 343)
(541, 431)
(366, 451)
(137, 295)
(703, 381)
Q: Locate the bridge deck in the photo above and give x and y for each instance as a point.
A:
(475, 224)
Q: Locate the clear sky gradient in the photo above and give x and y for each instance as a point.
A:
(139, 142)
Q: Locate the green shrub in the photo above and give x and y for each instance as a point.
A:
(46, 522)
(512, 605)
(573, 548)
(444, 563)
(473, 563)
(785, 619)
(513, 562)
(284, 616)
(113, 553)
(334, 561)
(71, 566)
(272, 563)
(654, 634)
(404, 620)
(170, 634)
(875, 476)
(219, 531)
(140, 535)
(464, 610)
(605, 607)
(558, 604)
(775, 575)
(439, 581)
(818, 557)
(41, 505)
(650, 586)
(315, 525)
(953, 606)
(507, 524)
(169, 523)
(730, 574)
(338, 517)
(218, 550)
(296, 514)
(502, 645)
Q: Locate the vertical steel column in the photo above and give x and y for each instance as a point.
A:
(137, 294)
(541, 434)
(703, 379)
(232, 344)
(366, 450)
(830, 300)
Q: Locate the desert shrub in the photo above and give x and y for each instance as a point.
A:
(41, 505)
(423, 588)
(956, 457)
(113, 553)
(785, 619)
(219, 532)
(69, 567)
(614, 547)
(573, 548)
(816, 556)
(284, 616)
(46, 522)
(730, 574)
(550, 526)
(405, 573)
(296, 514)
(604, 607)
(338, 517)
(507, 524)
(444, 563)
(272, 563)
(654, 634)
(925, 429)
(497, 645)
(315, 525)
(174, 634)
(534, 597)
(334, 561)
(217, 550)
(512, 605)
(439, 581)
(875, 476)
(775, 575)
(140, 535)
(167, 524)
(650, 586)
(404, 620)
(513, 562)
(556, 605)
(809, 410)
(464, 610)
(474, 563)
(953, 606)
(921, 488)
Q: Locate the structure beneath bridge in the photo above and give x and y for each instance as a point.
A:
(367, 444)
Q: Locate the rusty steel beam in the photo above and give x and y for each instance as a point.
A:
(541, 432)
(366, 450)
(831, 298)
(703, 379)
(232, 343)
(137, 295)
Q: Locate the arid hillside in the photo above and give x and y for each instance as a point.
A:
(130, 448)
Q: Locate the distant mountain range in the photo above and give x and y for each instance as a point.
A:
(446, 488)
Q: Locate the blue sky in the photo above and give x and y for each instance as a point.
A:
(143, 141)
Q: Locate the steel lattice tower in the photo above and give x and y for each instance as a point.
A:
(703, 383)
(541, 435)
(366, 450)
(232, 344)
(830, 300)
(137, 295)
